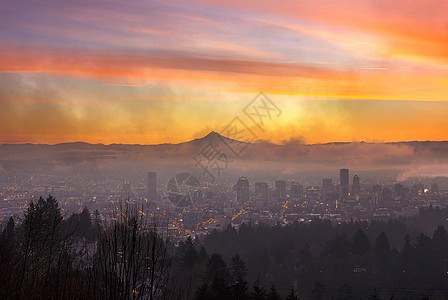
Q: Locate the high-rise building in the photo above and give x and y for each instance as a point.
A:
(398, 190)
(151, 188)
(312, 193)
(328, 191)
(377, 189)
(327, 186)
(280, 187)
(261, 193)
(296, 190)
(343, 174)
(242, 190)
(356, 187)
(377, 192)
(387, 195)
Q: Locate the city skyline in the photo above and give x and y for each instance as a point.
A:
(375, 160)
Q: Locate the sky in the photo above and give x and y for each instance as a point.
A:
(150, 72)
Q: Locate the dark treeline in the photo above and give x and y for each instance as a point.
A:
(46, 256)
(340, 261)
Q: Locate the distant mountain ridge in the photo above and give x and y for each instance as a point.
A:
(415, 157)
(211, 135)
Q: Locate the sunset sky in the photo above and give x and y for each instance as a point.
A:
(147, 72)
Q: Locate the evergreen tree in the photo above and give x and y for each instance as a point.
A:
(426, 262)
(339, 246)
(218, 273)
(10, 231)
(273, 293)
(85, 224)
(238, 268)
(189, 255)
(382, 246)
(42, 248)
(203, 254)
(216, 266)
(375, 295)
(258, 291)
(318, 291)
(202, 293)
(239, 272)
(9, 238)
(407, 261)
(440, 241)
(292, 295)
(8, 258)
(219, 288)
(361, 243)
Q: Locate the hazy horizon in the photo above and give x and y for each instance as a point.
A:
(298, 139)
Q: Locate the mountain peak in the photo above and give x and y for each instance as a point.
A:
(212, 134)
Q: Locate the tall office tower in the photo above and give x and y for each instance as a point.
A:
(343, 174)
(296, 190)
(377, 189)
(280, 187)
(242, 190)
(398, 190)
(152, 192)
(261, 191)
(356, 187)
(377, 194)
(327, 186)
(387, 195)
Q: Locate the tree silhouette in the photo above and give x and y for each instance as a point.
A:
(202, 293)
(188, 252)
(318, 290)
(216, 266)
(258, 291)
(361, 243)
(382, 252)
(42, 248)
(273, 294)
(218, 274)
(292, 295)
(132, 260)
(239, 272)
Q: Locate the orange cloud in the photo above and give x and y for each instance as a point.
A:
(231, 75)
(410, 30)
